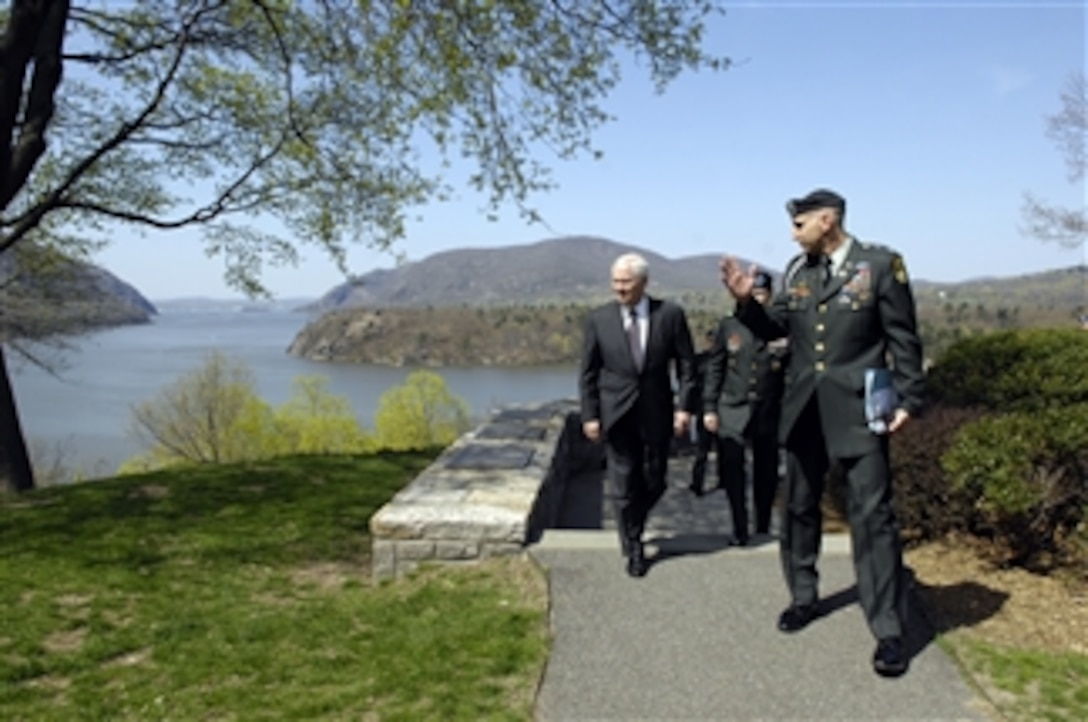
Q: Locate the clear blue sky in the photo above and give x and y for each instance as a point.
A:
(928, 116)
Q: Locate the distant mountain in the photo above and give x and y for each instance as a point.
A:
(525, 305)
(550, 271)
(575, 270)
(204, 304)
(45, 294)
(1059, 288)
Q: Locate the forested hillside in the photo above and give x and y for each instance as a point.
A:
(515, 333)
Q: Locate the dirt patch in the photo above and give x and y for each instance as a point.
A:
(130, 659)
(152, 491)
(74, 600)
(964, 592)
(64, 642)
(328, 576)
(50, 682)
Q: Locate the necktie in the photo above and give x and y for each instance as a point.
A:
(634, 338)
(821, 269)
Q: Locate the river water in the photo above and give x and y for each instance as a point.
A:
(82, 414)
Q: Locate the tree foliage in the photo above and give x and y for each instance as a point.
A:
(214, 415)
(1068, 129)
(203, 417)
(420, 414)
(1017, 370)
(1029, 473)
(314, 421)
(332, 117)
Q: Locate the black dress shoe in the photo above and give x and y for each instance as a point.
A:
(637, 565)
(796, 617)
(889, 659)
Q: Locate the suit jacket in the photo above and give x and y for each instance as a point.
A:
(864, 317)
(743, 382)
(611, 386)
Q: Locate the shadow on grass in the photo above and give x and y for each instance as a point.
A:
(934, 609)
(963, 604)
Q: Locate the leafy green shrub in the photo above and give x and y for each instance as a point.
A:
(1014, 370)
(1029, 472)
(214, 415)
(927, 504)
(420, 414)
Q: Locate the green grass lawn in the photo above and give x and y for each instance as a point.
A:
(242, 592)
(1026, 685)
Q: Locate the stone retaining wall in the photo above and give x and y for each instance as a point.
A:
(492, 492)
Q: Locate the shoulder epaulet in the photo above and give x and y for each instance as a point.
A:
(796, 264)
(877, 247)
(899, 268)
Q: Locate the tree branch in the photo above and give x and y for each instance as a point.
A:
(50, 202)
(40, 104)
(38, 33)
(220, 206)
(285, 56)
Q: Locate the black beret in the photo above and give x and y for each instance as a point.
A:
(763, 280)
(819, 198)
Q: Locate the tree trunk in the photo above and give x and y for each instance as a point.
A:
(15, 471)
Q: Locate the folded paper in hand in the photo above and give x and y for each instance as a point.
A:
(881, 400)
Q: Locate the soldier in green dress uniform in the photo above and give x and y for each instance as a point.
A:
(741, 399)
(846, 306)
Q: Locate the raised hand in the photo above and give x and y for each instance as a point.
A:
(735, 279)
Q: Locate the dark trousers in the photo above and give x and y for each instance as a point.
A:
(732, 478)
(874, 530)
(636, 468)
(703, 441)
(764, 477)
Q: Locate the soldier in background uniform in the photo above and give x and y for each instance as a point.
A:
(702, 437)
(846, 306)
(741, 400)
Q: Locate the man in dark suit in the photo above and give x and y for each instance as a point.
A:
(847, 307)
(741, 400)
(630, 347)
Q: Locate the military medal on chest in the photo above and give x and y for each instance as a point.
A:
(859, 288)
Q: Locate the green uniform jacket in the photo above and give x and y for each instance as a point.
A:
(743, 384)
(863, 318)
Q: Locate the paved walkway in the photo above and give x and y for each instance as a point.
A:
(696, 640)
